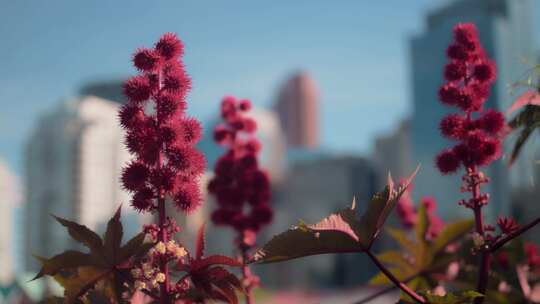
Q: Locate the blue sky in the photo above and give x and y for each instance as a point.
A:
(357, 52)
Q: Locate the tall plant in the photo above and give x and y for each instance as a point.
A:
(166, 170)
(241, 187)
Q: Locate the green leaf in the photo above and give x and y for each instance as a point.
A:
(421, 226)
(403, 241)
(77, 284)
(466, 297)
(528, 119)
(471, 294)
(381, 279)
(395, 258)
(113, 237)
(520, 141)
(450, 234)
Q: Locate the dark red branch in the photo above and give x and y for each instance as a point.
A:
(411, 293)
(246, 276)
(502, 241)
(382, 292)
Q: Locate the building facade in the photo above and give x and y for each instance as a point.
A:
(9, 199)
(74, 160)
(297, 107)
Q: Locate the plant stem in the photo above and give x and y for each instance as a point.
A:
(382, 292)
(163, 237)
(163, 233)
(479, 223)
(501, 242)
(394, 280)
(246, 275)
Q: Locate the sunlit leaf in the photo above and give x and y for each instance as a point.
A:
(340, 232)
(301, 241)
(527, 98)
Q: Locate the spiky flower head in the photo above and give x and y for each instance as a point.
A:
(158, 131)
(241, 187)
(469, 76)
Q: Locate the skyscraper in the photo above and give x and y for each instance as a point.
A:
(297, 107)
(392, 153)
(9, 197)
(505, 32)
(74, 159)
(106, 89)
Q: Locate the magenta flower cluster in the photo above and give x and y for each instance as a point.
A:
(159, 133)
(239, 183)
(469, 76)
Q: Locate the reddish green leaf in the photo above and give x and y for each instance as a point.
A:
(103, 265)
(451, 233)
(113, 237)
(422, 225)
(379, 209)
(65, 260)
(303, 241)
(527, 98)
(82, 234)
(338, 233)
(213, 260)
(134, 247)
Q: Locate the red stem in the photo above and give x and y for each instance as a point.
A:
(383, 291)
(485, 257)
(246, 276)
(163, 237)
(163, 233)
(499, 243)
(394, 280)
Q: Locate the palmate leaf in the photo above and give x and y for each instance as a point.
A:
(103, 266)
(210, 280)
(466, 297)
(528, 120)
(419, 258)
(341, 232)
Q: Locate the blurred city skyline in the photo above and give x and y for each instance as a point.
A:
(356, 53)
(348, 90)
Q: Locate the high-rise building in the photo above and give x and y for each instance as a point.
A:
(74, 159)
(393, 153)
(297, 107)
(9, 198)
(107, 89)
(505, 32)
